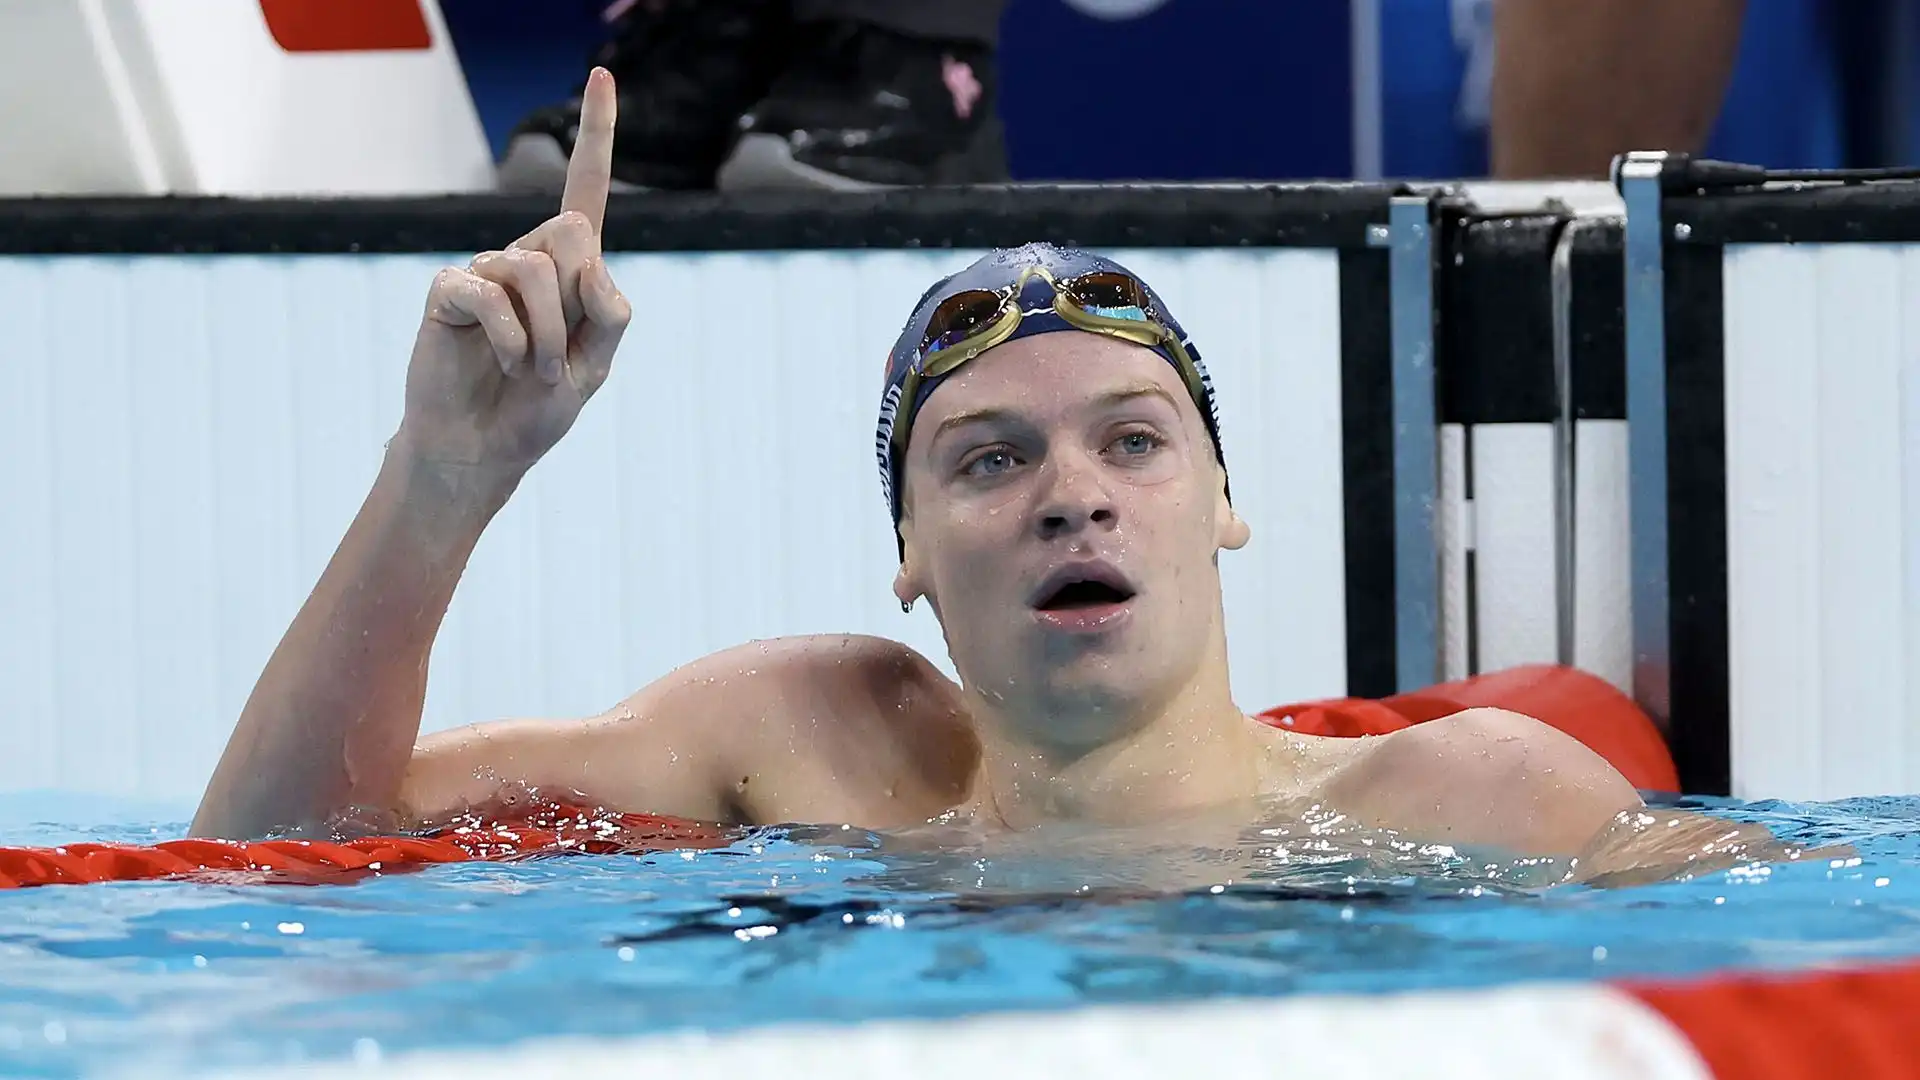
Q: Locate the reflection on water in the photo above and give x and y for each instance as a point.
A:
(1289, 848)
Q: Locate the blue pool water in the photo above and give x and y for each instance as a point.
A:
(169, 978)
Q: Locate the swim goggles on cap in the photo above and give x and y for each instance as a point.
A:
(1109, 302)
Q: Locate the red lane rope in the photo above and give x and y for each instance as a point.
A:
(543, 829)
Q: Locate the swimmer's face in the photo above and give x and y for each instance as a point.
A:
(1060, 458)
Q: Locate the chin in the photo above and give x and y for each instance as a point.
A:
(1097, 683)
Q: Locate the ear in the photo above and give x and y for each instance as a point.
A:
(1231, 532)
(907, 586)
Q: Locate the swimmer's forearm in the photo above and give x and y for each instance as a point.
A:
(1645, 846)
(330, 726)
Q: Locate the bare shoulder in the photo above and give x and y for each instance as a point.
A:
(819, 727)
(1484, 776)
(890, 673)
(854, 680)
(784, 655)
(825, 727)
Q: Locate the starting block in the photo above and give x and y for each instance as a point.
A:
(235, 97)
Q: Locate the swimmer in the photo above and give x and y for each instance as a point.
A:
(1048, 446)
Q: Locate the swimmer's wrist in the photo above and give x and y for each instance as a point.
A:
(474, 489)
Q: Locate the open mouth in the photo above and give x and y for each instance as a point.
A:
(1082, 587)
(1076, 595)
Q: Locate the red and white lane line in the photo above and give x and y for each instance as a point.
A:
(1862, 1025)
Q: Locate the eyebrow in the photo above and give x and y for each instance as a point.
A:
(1109, 400)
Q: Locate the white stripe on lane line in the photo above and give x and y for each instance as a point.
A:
(1544, 1031)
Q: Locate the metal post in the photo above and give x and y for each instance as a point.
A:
(1564, 508)
(1646, 323)
(1416, 436)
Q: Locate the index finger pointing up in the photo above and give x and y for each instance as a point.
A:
(590, 168)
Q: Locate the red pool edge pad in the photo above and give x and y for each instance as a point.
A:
(1581, 704)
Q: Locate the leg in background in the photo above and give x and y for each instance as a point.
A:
(1576, 82)
(880, 93)
(686, 70)
(952, 20)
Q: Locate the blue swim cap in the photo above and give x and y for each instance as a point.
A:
(1001, 270)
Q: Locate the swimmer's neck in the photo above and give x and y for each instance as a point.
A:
(1196, 750)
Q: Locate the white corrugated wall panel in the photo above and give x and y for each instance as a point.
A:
(1508, 528)
(1515, 576)
(1821, 525)
(1602, 556)
(183, 441)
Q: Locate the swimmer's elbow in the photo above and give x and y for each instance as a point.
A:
(624, 761)
(468, 768)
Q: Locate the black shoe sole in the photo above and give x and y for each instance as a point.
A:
(535, 164)
(765, 162)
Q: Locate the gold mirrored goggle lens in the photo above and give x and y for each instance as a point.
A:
(1109, 295)
(962, 324)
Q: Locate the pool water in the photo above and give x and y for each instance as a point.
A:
(176, 978)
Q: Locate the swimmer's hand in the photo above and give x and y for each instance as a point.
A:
(512, 347)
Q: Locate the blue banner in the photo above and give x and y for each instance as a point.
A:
(1177, 89)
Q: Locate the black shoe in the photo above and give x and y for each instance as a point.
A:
(685, 70)
(863, 107)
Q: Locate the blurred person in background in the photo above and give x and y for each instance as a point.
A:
(1577, 82)
(786, 94)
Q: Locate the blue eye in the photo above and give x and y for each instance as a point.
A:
(991, 463)
(1135, 443)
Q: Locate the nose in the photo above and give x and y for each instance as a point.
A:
(1075, 500)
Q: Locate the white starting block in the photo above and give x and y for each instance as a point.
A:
(234, 97)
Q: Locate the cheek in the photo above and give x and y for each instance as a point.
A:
(1170, 506)
(1163, 471)
(1175, 529)
(987, 510)
(980, 524)
(971, 546)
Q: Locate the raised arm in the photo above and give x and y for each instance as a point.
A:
(508, 352)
